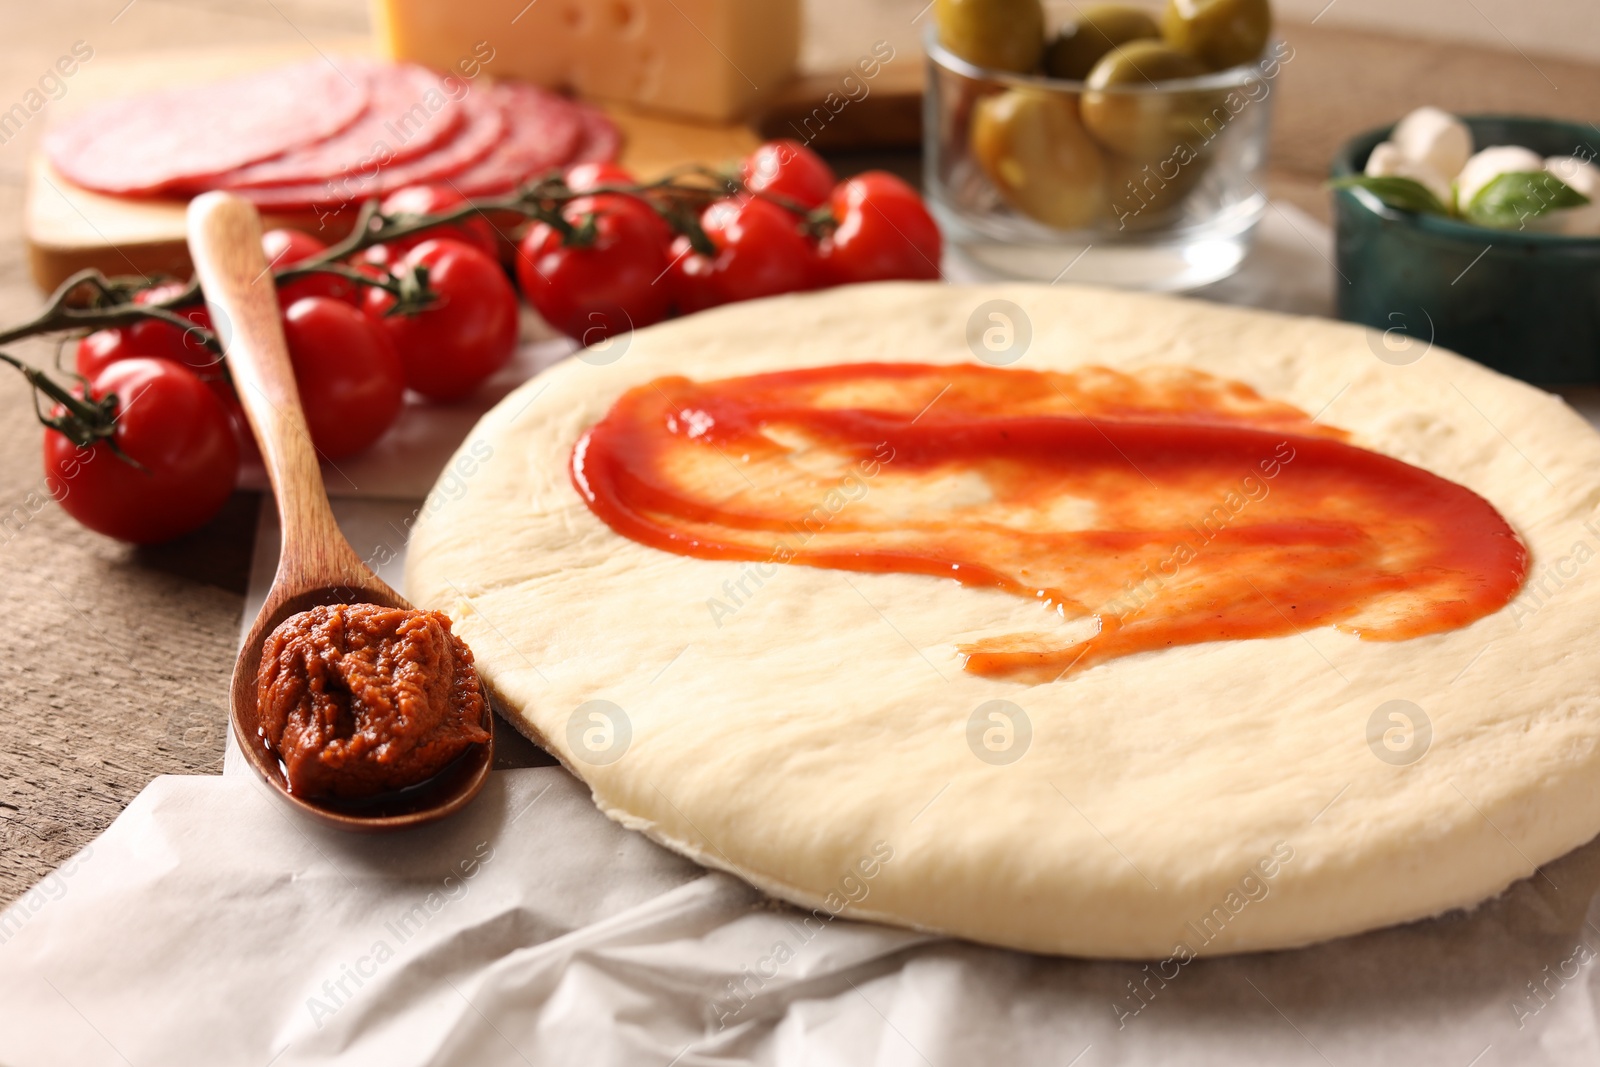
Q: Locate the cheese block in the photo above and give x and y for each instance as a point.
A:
(706, 59)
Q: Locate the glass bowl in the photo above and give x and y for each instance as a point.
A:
(1151, 187)
(1524, 302)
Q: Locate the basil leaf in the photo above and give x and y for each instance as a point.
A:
(1402, 194)
(1518, 195)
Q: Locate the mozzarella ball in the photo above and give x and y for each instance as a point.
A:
(1584, 176)
(1489, 164)
(1388, 161)
(1435, 138)
(1581, 174)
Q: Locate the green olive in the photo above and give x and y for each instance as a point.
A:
(1035, 151)
(1219, 33)
(1145, 125)
(1142, 62)
(1099, 29)
(1143, 195)
(994, 34)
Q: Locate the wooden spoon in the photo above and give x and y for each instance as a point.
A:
(316, 565)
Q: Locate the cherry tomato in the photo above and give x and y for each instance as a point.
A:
(451, 348)
(884, 232)
(636, 206)
(229, 399)
(585, 176)
(381, 257)
(612, 285)
(761, 251)
(351, 382)
(174, 427)
(150, 339)
(375, 262)
(102, 348)
(691, 279)
(162, 340)
(157, 340)
(432, 200)
(285, 248)
(791, 170)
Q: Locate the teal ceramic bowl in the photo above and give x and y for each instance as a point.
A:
(1525, 303)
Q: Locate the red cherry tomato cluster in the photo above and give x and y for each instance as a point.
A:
(623, 267)
(180, 428)
(167, 450)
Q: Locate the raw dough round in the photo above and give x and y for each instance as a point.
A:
(821, 740)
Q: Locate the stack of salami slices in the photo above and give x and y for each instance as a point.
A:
(328, 132)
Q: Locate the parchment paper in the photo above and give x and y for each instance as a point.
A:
(210, 925)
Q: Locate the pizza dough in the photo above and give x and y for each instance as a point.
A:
(815, 734)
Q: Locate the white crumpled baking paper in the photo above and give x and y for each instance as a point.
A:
(210, 925)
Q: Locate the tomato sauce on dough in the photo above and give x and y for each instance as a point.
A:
(359, 700)
(1138, 512)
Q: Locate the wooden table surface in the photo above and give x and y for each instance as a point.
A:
(115, 660)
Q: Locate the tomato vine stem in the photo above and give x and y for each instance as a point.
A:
(90, 300)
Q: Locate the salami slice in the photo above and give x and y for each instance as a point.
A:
(409, 115)
(144, 144)
(481, 128)
(543, 132)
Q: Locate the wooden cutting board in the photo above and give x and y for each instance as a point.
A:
(68, 228)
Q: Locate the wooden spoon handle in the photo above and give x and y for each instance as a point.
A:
(225, 243)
